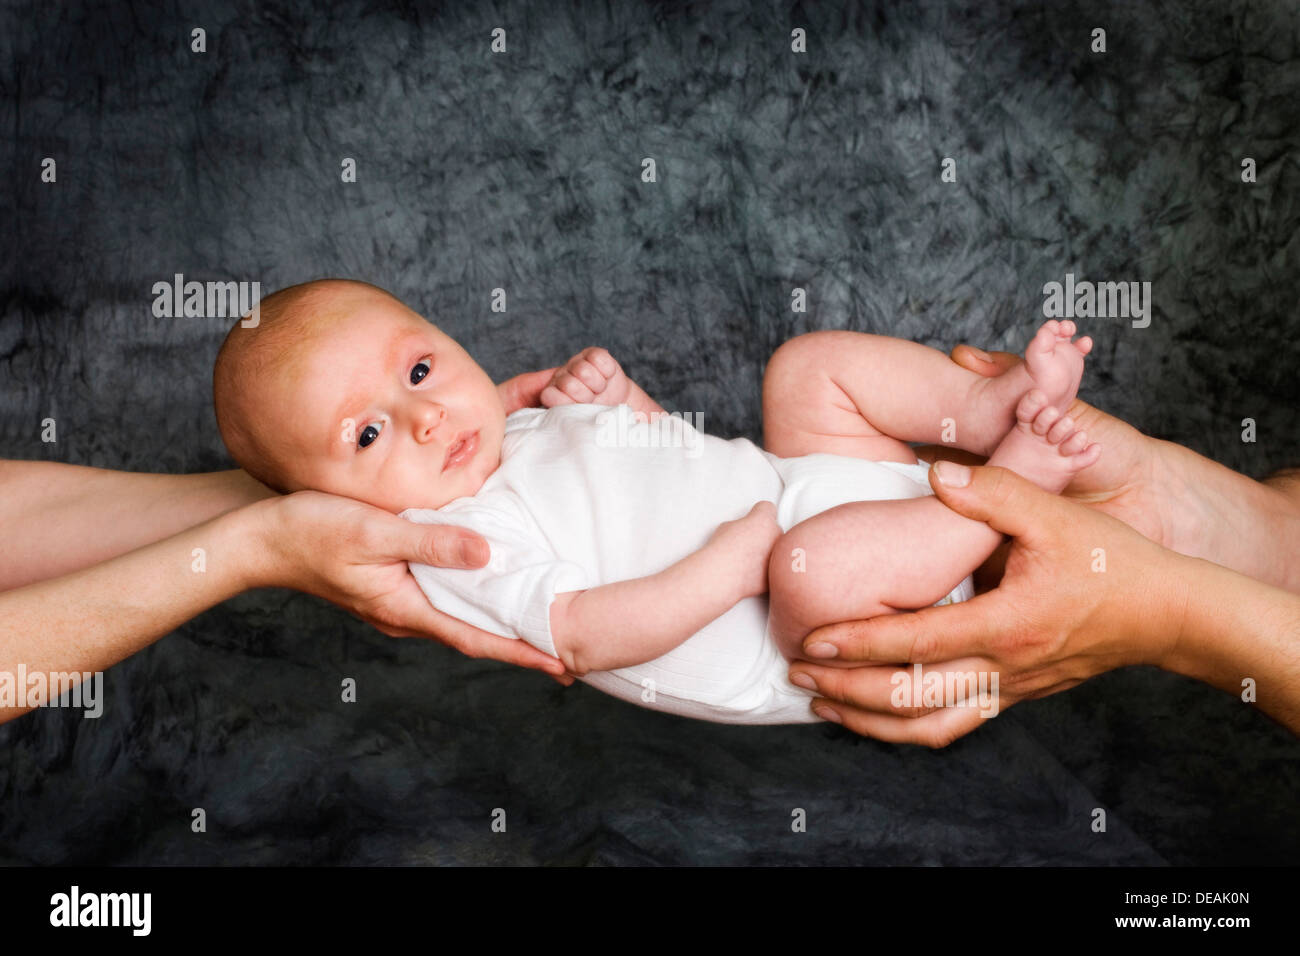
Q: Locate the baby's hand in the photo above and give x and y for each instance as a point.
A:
(749, 542)
(590, 377)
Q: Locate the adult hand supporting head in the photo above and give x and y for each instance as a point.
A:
(1056, 619)
(355, 555)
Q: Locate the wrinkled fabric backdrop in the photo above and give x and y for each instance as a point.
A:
(522, 171)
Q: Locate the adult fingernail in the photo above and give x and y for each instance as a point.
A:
(804, 681)
(822, 649)
(980, 353)
(825, 713)
(474, 552)
(952, 474)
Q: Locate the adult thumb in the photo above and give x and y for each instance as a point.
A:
(440, 545)
(524, 391)
(1000, 498)
(988, 364)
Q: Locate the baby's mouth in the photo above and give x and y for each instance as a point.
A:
(461, 450)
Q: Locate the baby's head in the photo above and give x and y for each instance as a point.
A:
(342, 388)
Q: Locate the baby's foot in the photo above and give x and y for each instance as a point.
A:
(1045, 445)
(1055, 364)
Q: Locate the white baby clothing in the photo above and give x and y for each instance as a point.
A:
(588, 495)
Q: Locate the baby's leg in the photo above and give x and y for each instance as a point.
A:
(866, 558)
(865, 396)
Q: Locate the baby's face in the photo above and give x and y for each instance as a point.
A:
(385, 408)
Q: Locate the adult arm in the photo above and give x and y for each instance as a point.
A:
(92, 618)
(57, 518)
(1082, 593)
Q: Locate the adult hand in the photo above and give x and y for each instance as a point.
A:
(1082, 593)
(524, 391)
(1133, 481)
(355, 555)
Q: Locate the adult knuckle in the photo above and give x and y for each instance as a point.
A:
(437, 548)
(367, 535)
(939, 738)
(379, 616)
(838, 683)
(860, 641)
(910, 712)
(1001, 486)
(923, 644)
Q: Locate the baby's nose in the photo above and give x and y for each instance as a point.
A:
(428, 419)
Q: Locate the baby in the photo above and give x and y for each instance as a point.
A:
(668, 567)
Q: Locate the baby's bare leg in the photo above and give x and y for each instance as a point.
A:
(866, 558)
(865, 396)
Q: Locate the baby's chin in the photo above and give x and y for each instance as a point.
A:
(425, 502)
(397, 503)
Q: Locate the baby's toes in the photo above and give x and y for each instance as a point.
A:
(1088, 457)
(1029, 405)
(1066, 330)
(1061, 430)
(1084, 345)
(1075, 443)
(1044, 340)
(1045, 419)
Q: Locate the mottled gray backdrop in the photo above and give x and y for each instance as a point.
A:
(522, 171)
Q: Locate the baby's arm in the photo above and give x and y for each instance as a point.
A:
(594, 377)
(631, 622)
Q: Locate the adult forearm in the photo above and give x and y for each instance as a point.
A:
(57, 518)
(631, 622)
(1240, 635)
(90, 619)
(1250, 526)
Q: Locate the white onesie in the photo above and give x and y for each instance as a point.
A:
(585, 495)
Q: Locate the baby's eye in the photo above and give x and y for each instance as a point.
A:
(418, 373)
(369, 434)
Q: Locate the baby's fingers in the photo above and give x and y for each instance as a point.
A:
(588, 375)
(602, 360)
(574, 387)
(552, 396)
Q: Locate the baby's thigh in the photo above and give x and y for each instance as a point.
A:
(862, 559)
(806, 412)
(820, 571)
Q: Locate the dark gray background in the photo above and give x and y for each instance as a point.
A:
(522, 171)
